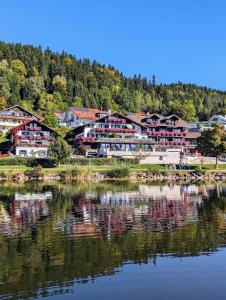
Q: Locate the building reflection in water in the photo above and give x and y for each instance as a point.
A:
(153, 208)
(21, 210)
(92, 213)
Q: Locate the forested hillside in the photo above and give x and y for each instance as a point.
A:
(45, 81)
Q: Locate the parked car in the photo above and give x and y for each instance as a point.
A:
(190, 157)
(222, 158)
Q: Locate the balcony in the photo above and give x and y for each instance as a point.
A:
(31, 145)
(167, 134)
(34, 138)
(153, 123)
(124, 141)
(115, 130)
(84, 139)
(115, 120)
(173, 143)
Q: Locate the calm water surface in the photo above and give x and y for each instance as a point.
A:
(118, 241)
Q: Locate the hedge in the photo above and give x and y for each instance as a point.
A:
(103, 161)
(22, 161)
(45, 162)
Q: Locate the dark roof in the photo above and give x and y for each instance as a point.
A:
(151, 115)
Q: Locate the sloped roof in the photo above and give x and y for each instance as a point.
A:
(151, 115)
(60, 116)
(23, 109)
(87, 113)
(217, 118)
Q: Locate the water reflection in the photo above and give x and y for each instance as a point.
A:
(52, 237)
(19, 210)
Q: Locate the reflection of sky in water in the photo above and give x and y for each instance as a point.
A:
(192, 278)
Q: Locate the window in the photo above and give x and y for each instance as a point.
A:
(42, 153)
(23, 152)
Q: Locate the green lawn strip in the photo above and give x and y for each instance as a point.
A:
(103, 168)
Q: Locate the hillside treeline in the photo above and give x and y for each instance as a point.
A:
(45, 81)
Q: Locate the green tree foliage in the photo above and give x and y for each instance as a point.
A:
(54, 81)
(51, 120)
(213, 142)
(59, 151)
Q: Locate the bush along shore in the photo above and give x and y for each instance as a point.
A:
(96, 170)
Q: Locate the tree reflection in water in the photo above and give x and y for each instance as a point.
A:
(52, 236)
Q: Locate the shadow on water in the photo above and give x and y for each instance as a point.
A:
(52, 237)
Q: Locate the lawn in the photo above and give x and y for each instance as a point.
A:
(101, 168)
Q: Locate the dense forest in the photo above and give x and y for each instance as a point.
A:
(44, 81)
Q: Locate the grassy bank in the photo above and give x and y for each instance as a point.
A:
(105, 171)
(103, 168)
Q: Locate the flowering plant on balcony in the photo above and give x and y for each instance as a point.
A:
(116, 130)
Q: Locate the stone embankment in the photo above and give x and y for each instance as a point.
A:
(134, 176)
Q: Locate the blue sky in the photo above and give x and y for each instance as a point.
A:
(177, 40)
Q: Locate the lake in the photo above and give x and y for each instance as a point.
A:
(113, 241)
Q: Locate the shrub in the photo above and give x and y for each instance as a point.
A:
(35, 173)
(65, 174)
(122, 172)
(75, 172)
(2, 174)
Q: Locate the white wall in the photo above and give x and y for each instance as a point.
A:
(32, 152)
(172, 156)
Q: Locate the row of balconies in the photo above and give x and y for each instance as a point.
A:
(166, 143)
(116, 130)
(33, 137)
(115, 120)
(172, 143)
(30, 145)
(166, 133)
(151, 122)
(156, 123)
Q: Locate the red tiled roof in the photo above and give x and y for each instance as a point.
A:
(87, 113)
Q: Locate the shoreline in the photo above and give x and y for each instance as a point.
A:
(101, 176)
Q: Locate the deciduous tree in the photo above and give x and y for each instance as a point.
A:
(213, 142)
